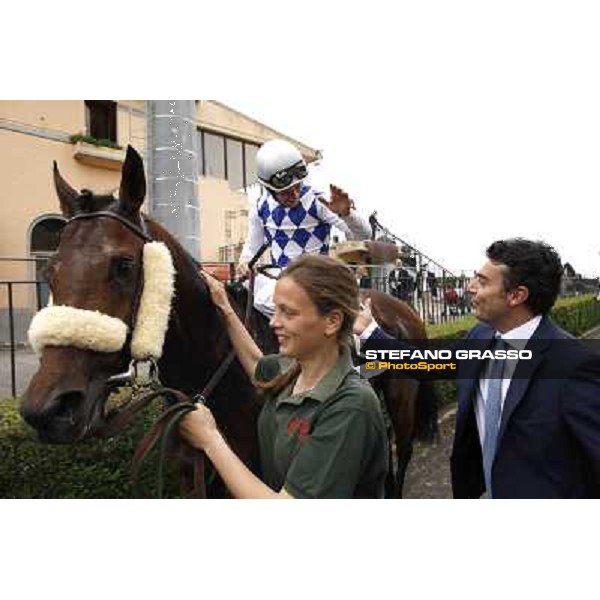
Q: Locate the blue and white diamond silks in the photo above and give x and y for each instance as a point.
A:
(293, 231)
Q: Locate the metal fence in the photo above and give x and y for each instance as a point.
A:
(21, 295)
(577, 285)
(17, 360)
(435, 292)
(437, 298)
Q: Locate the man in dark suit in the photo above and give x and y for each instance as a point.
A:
(530, 429)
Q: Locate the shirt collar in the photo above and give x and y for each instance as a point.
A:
(330, 383)
(304, 195)
(327, 385)
(519, 336)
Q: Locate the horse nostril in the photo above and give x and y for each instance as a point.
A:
(59, 410)
(66, 407)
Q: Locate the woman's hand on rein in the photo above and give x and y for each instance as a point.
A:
(218, 294)
(199, 428)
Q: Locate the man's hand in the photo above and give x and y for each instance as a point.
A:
(364, 318)
(340, 203)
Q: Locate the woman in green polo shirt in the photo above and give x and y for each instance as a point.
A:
(321, 431)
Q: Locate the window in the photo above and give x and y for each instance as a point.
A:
(45, 235)
(230, 218)
(235, 165)
(227, 158)
(101, 119)
(230, 253)
(200, 154)
(250, 151)
(214, 155)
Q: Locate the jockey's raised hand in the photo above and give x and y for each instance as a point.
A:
(340, 202)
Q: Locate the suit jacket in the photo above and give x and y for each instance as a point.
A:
(549, 437)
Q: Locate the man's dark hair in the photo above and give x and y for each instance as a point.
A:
(534, 265)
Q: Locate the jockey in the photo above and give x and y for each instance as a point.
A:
(291, 216)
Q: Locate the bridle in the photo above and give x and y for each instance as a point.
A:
(143, 233)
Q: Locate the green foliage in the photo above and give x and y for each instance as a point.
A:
(453, 330)
(91, 469)
(577, 314)
(89, 139)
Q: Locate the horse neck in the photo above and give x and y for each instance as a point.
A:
(196, 341)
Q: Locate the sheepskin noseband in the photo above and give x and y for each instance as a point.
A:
(92, 330)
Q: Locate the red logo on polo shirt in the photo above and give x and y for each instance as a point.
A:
(296, 424)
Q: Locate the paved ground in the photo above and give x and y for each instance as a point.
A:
(428, 474)
(26, 363)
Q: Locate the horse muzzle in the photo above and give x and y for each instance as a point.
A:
(63, 402)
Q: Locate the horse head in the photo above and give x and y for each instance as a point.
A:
(96, 280)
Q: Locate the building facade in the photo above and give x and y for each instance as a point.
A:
(87, 138)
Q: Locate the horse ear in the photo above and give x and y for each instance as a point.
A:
(133, 182)
(66, 194)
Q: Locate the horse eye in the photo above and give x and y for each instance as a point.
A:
(122, 267)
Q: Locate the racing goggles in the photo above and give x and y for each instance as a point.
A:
(287, 177)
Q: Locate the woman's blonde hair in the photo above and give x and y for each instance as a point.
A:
(330, 285)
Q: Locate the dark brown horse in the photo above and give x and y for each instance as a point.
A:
(98, 267)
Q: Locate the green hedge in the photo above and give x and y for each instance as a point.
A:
(91, 469)
(88, 139)
(576, 314)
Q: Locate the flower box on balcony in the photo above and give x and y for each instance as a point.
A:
(99, 156)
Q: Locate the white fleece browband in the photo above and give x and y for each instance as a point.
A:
(92, 330)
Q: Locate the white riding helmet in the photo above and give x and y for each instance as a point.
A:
(280, 165)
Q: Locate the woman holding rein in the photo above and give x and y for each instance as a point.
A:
(321, 431)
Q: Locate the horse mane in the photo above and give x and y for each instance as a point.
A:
(183, 260)
(258, 325)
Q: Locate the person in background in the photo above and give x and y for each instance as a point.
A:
(291, 216)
